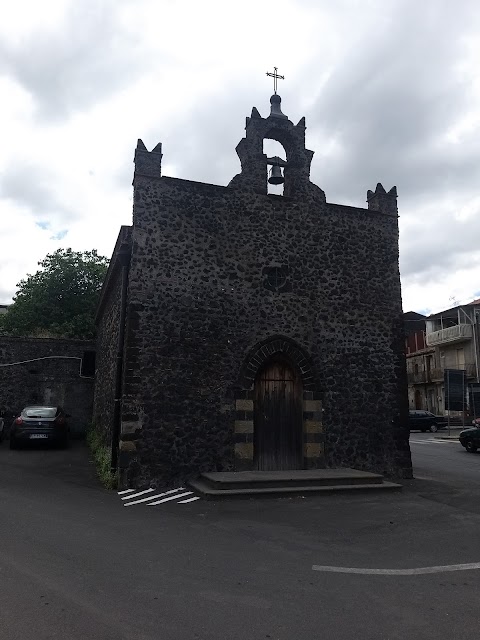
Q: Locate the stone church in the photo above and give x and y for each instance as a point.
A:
(241, 330)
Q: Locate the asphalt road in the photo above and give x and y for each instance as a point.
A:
(445, 472)
(74, 563)
(434, 457)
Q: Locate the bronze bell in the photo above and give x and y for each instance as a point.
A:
(276, 175)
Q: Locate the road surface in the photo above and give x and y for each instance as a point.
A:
(75, 563)
(445, 471)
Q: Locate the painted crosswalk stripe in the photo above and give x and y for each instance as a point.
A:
(121, 493)
(189, 500)
(136, 495)
(181, 495)
(148, 498)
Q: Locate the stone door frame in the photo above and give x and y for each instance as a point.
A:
(244, 395)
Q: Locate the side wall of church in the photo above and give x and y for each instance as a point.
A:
(108, 329)
(214, 272)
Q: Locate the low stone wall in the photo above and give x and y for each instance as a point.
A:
(48, 371)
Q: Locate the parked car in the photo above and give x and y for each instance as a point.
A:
(470, 439)
(426, 421)
(40, 423)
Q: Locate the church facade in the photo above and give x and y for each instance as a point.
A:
(243, 330)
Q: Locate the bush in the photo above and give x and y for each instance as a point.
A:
(102, 457)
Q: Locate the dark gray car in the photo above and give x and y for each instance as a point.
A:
(470, 439)
(40, 424)
(425, 421)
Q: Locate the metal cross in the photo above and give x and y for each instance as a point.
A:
(275, 77)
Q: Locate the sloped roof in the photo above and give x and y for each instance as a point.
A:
(453, 310)
(413, 315)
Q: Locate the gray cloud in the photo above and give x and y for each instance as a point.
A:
(394, 92)
(75, 66)
(200, 144)
(390, 100)
(33, 187)
(432, 250)
(389, 106)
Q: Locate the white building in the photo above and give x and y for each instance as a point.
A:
(450, 340)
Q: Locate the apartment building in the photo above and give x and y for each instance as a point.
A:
(445, 340)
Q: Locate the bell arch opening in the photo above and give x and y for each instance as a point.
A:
(272, 148)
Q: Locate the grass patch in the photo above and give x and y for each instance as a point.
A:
(102, 457)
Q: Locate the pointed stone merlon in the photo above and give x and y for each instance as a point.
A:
(148, 163)
(255, 116)
(380, 200)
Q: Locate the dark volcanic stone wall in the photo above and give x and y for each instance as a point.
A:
(214, 272)
(108, 329)
(40, 377)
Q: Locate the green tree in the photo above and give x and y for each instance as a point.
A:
(60, 299)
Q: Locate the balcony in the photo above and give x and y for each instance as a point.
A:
(417, 378)
(437, 375)
(457, 333)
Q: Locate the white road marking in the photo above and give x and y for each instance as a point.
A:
(136, 495)
(181, 495)
(432, 441)
(399, 572)
(120, 493)
(147, 499)
(189, 500)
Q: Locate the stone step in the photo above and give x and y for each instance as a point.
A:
(211, 493)
(294, 478)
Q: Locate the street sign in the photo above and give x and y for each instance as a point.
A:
(455, 381)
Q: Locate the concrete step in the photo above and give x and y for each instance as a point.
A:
(291, 478)
(211, 493)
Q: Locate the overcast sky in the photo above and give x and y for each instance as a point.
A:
(390, 90)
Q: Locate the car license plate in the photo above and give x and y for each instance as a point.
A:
(38, 435)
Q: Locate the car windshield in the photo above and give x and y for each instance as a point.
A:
(39, 412)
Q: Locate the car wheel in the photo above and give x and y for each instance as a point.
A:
(470, 447)
(13, 443)
(434, 428)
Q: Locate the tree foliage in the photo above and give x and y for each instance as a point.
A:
(60, 298)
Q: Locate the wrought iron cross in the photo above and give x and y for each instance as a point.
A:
(275, 77)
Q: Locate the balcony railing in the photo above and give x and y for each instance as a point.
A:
(417, 378)
(451, 334)
(437, 375)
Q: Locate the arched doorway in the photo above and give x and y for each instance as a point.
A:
(278, 417)
(418, 399)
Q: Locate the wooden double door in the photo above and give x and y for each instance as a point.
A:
(278, 418)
